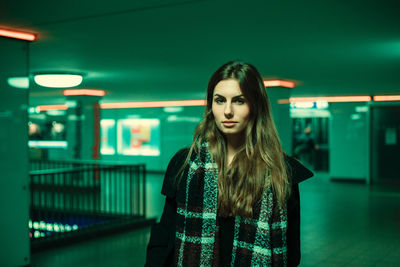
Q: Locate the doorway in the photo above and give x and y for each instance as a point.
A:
(385, 144)
(310, 142)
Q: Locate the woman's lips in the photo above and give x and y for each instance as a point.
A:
(229, 124)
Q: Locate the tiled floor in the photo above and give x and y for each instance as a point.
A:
(349, 224)
(343, 224)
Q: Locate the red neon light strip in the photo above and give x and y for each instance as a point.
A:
(154, 104)
(387, 98)
(331, 99)
(18, 35)
(52, 107)
(277, 83)
(90, 92)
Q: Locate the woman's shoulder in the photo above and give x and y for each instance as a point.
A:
(180, 155)
(297, 171)
(169, 187)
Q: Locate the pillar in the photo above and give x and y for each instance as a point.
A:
(83, 127)
(14, 187)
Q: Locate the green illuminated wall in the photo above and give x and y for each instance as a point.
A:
(348, 141)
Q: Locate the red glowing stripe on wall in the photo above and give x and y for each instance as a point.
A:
(154, 104)
(52, 107)
(387, 98)
(18, 35)
(279, 83)
(96, 137)
(90, 92)
(327, 99)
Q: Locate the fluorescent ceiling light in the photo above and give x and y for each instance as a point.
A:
(58, 80)
(279, 83)
(18, 82)
(329, 99)
(52, 107)
(18, 35)
(91, 92)
(154, 104)
(387, 98)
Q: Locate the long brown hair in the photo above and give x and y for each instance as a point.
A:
(261, 162)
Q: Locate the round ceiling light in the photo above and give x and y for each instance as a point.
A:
(58, 80)
(18, 82)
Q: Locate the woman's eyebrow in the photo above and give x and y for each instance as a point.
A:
(237, 96)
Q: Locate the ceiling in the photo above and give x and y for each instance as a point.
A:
(167, 49)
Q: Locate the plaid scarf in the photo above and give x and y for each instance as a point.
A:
(257, 241)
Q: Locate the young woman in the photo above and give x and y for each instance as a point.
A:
(232, 198)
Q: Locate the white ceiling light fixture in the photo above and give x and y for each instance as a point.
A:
(18, 82)
(58, 80)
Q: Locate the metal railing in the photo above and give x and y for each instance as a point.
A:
(37, 164)
(71, 200)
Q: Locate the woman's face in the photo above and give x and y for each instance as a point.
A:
(230, 108)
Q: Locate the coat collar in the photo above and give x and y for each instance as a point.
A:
(297, 171)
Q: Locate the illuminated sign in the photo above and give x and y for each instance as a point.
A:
(48, 144)
(138, 137)
(317, 105)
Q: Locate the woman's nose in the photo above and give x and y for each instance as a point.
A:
(228, 111)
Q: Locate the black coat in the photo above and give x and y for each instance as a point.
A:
(160, 250)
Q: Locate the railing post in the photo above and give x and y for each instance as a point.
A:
(144, 190)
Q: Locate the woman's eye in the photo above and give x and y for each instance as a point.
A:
(240, 101)
(218, 100)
